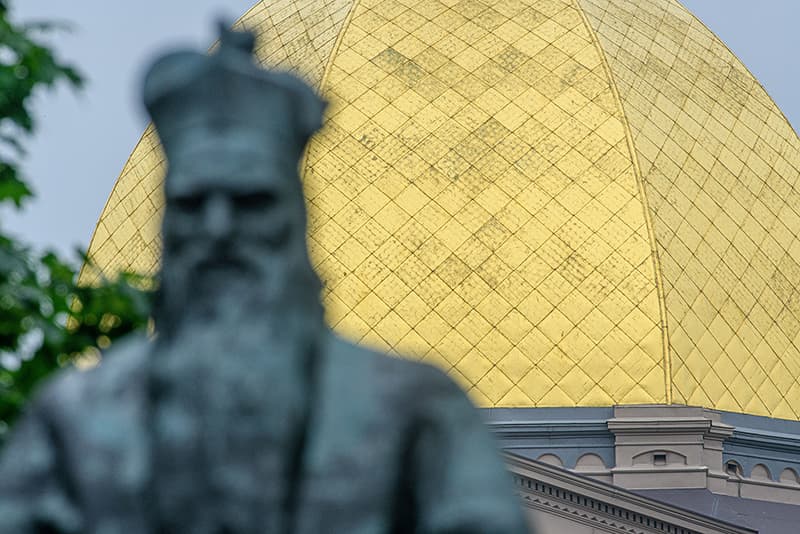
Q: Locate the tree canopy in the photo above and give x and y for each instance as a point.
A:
(47, 320)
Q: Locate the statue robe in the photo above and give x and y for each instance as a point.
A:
(394, 446)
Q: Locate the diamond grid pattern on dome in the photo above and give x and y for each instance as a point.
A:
(718, 163)
(473, 202)
(127, 234)
(296, 35)
(721, 166)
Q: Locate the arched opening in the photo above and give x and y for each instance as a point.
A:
(789, 476)
(733, 468)
(761, 472)
(551, 459)
(590, 462)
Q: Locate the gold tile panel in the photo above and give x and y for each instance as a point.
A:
(127, 234)
(474, 200)
(721, 165)
(474, 203)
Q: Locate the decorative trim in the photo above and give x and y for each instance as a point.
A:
(594, 503)
(591, 512)
(766, 441)
(570, 433)
(552, 429)
(777, 451)
(566, 439)
(658, 425)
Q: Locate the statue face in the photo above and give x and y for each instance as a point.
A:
(229, 228)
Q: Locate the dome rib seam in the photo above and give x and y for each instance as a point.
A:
(326, 72)
(335, 50)
(656, 262)
(324, 78)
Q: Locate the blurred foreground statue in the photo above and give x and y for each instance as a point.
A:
(246, 414)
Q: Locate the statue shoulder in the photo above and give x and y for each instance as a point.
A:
(123, 367)
(412, 379)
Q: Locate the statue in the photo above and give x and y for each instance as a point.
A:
(246, 414)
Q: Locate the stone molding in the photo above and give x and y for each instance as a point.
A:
(777, 450)
(553, 491)
(695, 447)
(668, 447)
(767, 441)
(566, 432)
(553, 429)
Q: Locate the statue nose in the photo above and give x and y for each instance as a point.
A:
(218, 217)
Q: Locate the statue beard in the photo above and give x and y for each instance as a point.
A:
(231, 390)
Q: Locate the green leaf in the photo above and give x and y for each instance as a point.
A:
(11, 187)
(47, 319)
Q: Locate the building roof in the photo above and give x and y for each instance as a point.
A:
(561, 202)
(764, 517)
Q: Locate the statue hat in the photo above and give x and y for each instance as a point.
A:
(213, 110)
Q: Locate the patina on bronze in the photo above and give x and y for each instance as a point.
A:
(246, 414)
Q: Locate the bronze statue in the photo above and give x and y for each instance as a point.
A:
(246, 414)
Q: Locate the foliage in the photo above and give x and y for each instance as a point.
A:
(47, 320)
(25, 66)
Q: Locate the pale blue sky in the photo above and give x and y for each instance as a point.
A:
(83, 141)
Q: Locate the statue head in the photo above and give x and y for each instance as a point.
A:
(234, 220)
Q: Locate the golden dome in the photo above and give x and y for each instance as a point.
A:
(562, 202)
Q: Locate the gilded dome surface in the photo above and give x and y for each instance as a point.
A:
(561, 202)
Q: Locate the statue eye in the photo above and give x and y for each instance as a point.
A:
(188, 203)
(257, 201)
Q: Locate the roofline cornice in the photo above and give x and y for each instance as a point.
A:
(765, 440)
(550, 429)
(616, 498)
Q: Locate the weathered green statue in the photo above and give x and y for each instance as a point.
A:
(246, 414)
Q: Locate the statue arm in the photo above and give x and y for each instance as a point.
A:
(462, 485)
(32, 498)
